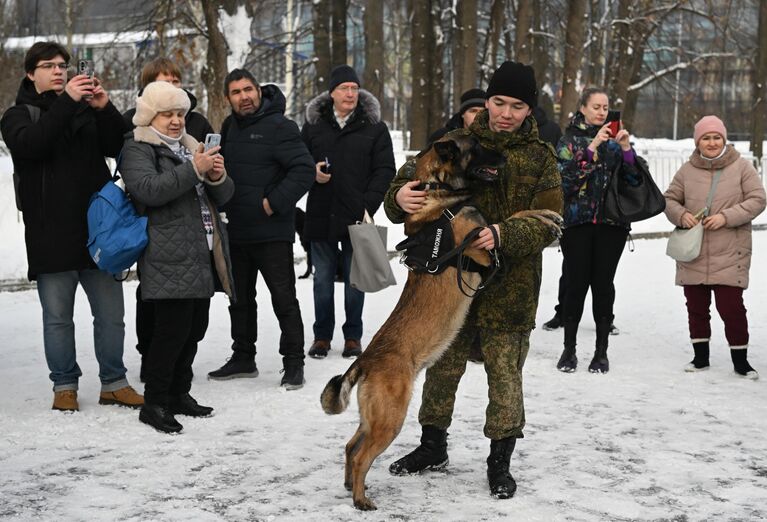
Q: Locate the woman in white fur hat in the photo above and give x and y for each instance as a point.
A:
(178, 186)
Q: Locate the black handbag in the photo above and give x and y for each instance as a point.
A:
(625, 203)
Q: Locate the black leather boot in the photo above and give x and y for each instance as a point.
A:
(431, 455)
(740, 363)
(502, 484)
(185, 404)
(568, 362)
(600, 364)
(160, 418)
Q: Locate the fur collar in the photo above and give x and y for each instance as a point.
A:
(730, 156)
(368, 108)
(147, 135)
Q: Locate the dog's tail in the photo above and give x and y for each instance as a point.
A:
(335, 396)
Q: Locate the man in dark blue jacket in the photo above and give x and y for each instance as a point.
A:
(58, 134)
(271, 170)
(344, 128)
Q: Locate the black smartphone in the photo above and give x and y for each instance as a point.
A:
(326, 167)
(212, 140)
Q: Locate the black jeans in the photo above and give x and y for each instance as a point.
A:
(274, 260)
(591, 256)
(179, 324)
(144, 322)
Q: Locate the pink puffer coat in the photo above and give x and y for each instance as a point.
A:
(725, 256)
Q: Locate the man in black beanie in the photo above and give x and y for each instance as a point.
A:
(503, 315)
(354, 160)
(472, 103)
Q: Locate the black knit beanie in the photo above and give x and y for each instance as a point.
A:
(472, 98)
(342, 74)
(516, 80)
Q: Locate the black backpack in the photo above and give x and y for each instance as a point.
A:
(34, 114)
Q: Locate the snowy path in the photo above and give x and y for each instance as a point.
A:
(644, 442)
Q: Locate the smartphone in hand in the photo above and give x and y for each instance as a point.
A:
(212, 140)
(86, 67)
(614, 121)
(326, 167)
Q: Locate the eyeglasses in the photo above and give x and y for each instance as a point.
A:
(49, 66)
(349, 88)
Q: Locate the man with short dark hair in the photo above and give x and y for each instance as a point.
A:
(503, 314)
(59, 133)
(354, 163)
(472, 103)
(271, 170)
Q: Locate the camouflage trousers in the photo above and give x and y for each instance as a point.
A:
(504, 354)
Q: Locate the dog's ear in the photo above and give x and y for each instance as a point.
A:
(447, 150)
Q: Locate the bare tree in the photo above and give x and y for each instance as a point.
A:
(574, 38)
(465, 48)
(522, 42)
(338, 49)
(373, 75)
(423, 66)
(497, 22)
(760, 85)
(322, 61)
(214, 73)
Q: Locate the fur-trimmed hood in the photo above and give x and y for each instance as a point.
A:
(368, 107)
(147, 135)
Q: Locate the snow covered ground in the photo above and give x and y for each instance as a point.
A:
(644, 442)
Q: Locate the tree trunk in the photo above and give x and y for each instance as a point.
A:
(497, 23)
(373, 75)
(616, 80)
(437, 115)
(465, 49)
(541, 56)
(421, 52)
(320, 14)
(338, 48)
(523, 51)
(574, 38)
(214, 72)
(760, 86)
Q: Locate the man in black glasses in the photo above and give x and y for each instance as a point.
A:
(59, 133)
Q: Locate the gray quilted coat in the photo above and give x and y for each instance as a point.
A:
(176, 263)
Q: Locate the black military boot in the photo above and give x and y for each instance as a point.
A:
(431, 455)
(600, 364)
(240, 365)
(568, 362)
(502, 484)
(293, 374)
(700, 361)
(185, 404)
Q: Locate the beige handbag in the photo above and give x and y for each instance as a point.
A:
(684, 244)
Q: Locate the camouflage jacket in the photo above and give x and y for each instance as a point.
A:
(529, 180)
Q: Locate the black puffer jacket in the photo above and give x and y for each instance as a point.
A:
(196, 125)
(361, 165)
(60, 159)
(265, 157)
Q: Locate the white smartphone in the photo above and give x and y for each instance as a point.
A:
(212, 140)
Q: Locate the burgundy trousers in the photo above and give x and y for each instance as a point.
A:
(729, 304)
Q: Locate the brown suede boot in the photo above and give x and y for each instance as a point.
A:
(126, 396)
(65, 400)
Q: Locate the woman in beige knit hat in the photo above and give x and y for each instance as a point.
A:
(178, 186)
(725, 256)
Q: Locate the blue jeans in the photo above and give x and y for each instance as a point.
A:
(325, 258)
(105, 295)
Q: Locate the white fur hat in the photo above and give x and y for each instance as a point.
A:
(158, 97)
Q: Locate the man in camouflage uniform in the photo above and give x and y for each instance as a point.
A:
(503, 315)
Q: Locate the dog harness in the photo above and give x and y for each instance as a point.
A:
(432, 250)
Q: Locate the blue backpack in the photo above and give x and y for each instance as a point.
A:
(116, 233)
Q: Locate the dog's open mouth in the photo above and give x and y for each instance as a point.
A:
(484, 173)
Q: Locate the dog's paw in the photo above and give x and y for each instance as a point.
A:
(364, 504)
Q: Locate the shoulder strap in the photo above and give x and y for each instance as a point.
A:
(710, 198)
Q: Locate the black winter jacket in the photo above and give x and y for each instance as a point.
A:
(60, 160)
(361, 165)
(196, 125)
(455, 122)
(265, 157)
(548, 130)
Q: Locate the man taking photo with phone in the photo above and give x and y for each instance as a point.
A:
(58, 142)
(272, 170)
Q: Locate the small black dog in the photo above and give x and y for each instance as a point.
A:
(300, 220)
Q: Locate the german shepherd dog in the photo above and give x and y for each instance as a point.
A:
(417, 332)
